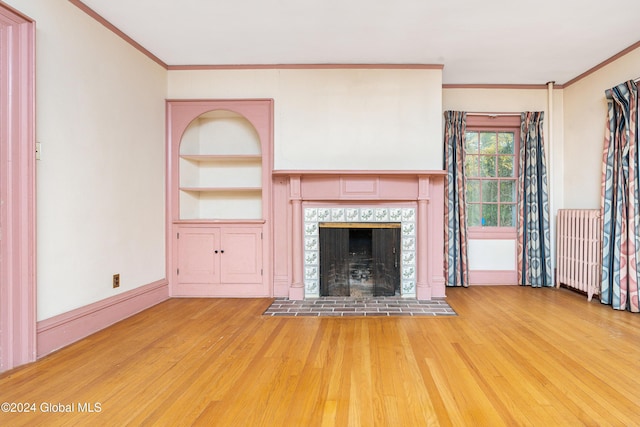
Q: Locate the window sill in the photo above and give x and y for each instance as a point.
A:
(493, 233)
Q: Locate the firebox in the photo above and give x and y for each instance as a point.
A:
(359, 259)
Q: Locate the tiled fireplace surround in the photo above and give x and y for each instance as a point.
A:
(307, 198)
(314, 216)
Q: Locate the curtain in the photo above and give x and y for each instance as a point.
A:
(534, 235)
(455, 239)
(619, 202)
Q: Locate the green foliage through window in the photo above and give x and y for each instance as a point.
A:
(490, 178)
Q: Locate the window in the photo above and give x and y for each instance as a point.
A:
(491, 163)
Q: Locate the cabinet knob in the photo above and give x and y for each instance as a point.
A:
(221, 252)
(216, 251)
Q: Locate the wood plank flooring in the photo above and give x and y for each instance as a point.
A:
(513, 356)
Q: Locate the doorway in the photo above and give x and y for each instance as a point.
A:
(17, 190)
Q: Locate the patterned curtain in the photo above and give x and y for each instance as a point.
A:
(534, 235)
(619, 206)
(455, 239)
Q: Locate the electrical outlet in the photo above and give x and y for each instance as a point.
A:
(116, 281)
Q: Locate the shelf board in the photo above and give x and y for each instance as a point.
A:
(232, 221)
(221, 189)
(221, 157)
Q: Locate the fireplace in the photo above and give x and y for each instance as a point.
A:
(359, 259)
(305, 201)
(393, 227)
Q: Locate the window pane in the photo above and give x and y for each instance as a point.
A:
(487, 143)
(508, 191)
(473, 215)
(471, 142)
(505, 165)
(490, 215)
(471, 165)
(490, 174)
(490, 191)
(505, 143)
(487, 166)
(473, 190)
(507, 215)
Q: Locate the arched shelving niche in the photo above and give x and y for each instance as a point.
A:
(220, 168)
(219, 165)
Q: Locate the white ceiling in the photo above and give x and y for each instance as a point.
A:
(477, 41)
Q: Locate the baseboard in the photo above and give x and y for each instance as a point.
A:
(281, 286)
(64, 329)
(493, 277)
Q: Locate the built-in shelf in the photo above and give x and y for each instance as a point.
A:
(220, 168)
(221, 189)
(222, 157)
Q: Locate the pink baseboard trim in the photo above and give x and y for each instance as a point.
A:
(64, 329)
(423, 292)
(280, 286)
(493, 277)
(438, 286)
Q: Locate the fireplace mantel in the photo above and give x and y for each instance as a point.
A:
(423, 191)
(384, 172)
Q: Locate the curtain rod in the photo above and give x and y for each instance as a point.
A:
(492, 114)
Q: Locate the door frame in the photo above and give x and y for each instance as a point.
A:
(17, 189)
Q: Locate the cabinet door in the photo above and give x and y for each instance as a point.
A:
(197, 261)
(241, 255)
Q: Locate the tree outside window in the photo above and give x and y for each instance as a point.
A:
(490, 172)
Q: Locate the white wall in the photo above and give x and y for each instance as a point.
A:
(100, 119)
(337, 118)
(100, 183)
(585, 115)
(492, 255)
(513, 101)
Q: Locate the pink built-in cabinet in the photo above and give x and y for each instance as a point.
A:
(219, 185)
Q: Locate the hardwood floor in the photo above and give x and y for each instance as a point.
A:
(513, 356)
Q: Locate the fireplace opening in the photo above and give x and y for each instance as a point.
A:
(359, 259)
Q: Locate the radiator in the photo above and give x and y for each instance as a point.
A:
(578, 250)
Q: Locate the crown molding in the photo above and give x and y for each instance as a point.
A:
(498, 86)
(92, 13)
(125, 37)
(604, 63)
(308, 67)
